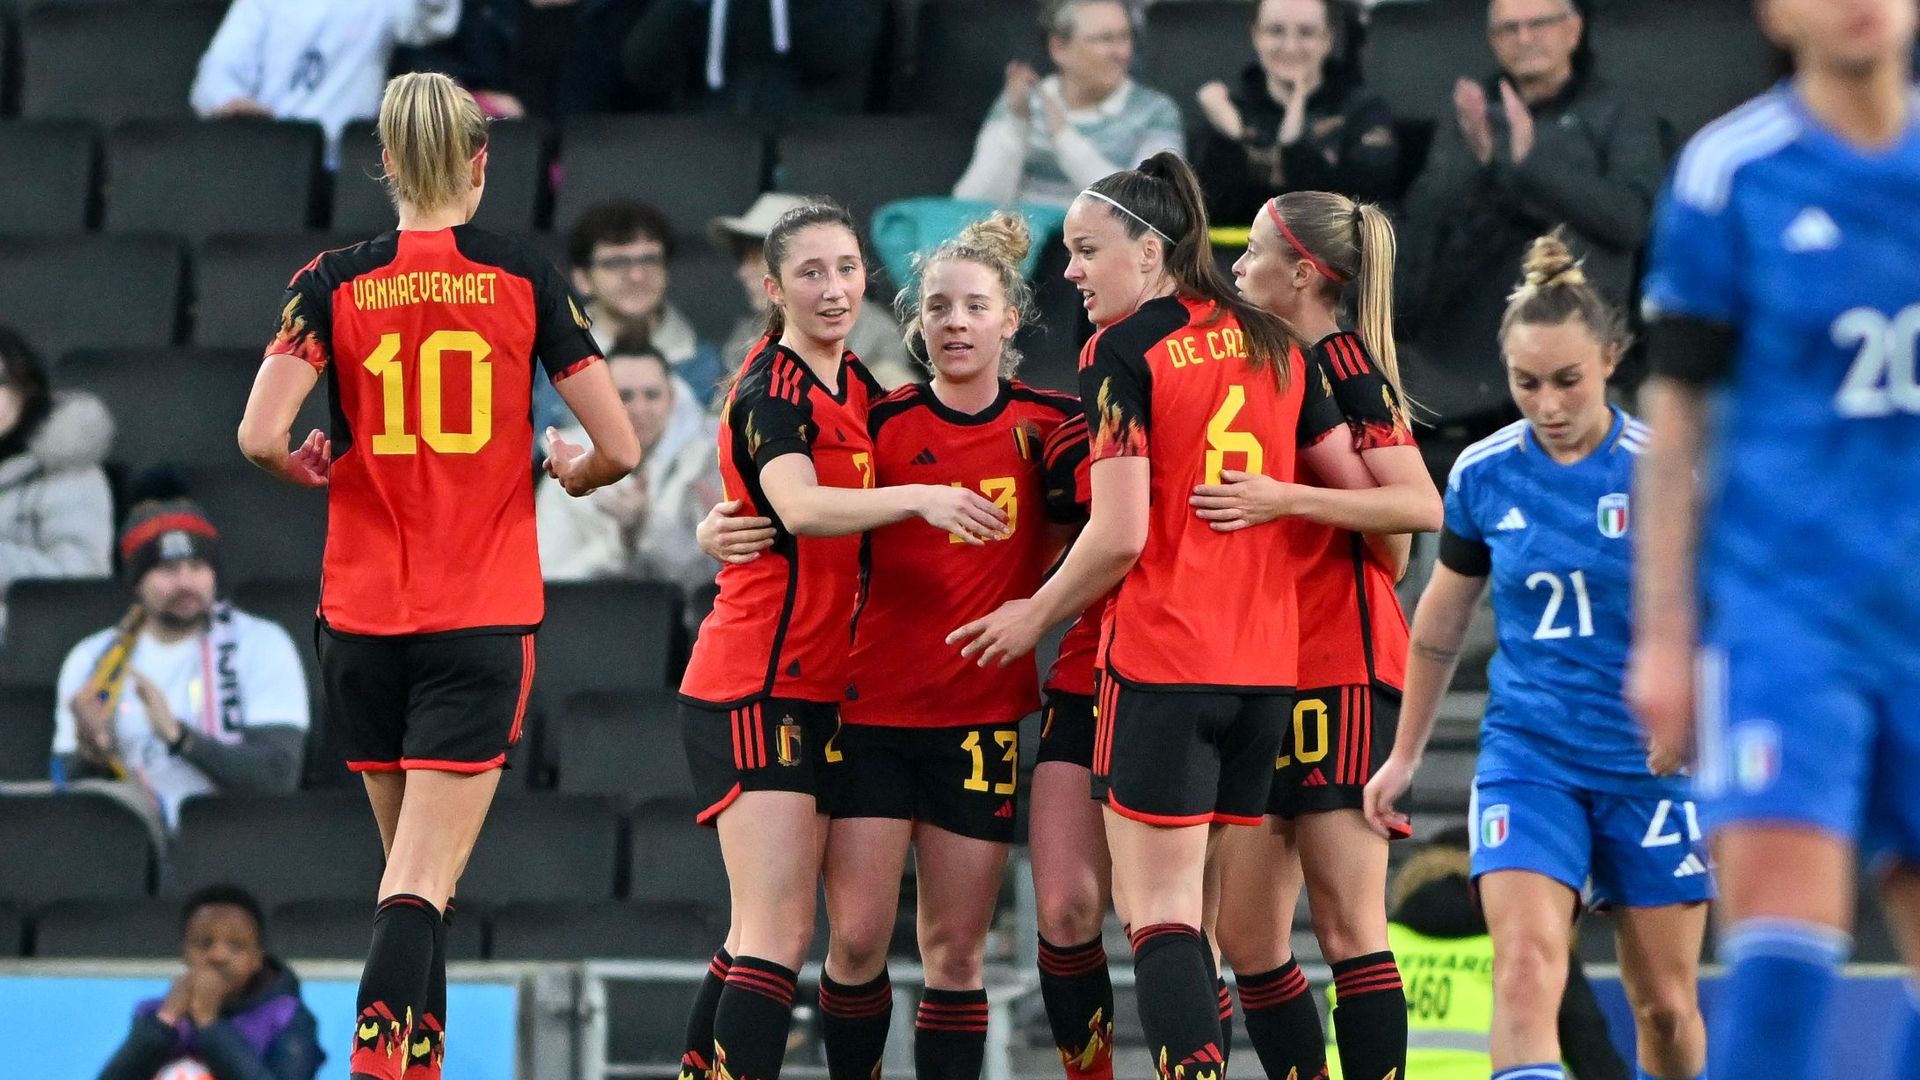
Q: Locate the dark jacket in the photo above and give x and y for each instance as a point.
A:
(1347, 145)
(267, 1034)
(558, 61)
(1595, 167)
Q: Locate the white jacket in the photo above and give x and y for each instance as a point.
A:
(56, 511)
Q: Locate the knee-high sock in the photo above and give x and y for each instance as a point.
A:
(853, 1025)
(1078, 991)
(1370, 1020)
(393, 986)
(427, 1046)
(696, 1060)
(1179, 1009)
(1773, 1003)
(1282, 1022)
(751, 1023)
(950, 1034)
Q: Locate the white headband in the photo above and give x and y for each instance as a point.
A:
(1111, 202)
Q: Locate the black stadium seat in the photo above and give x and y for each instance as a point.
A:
(961, 54)
(341, 930)
(78, 291)
(114, 62)
(516, 177)
(26, 736)
(692, 167)
(142, 929)
(612, 929)
(240, 285)
(1686, 64)
(624, 745)
(311, 845)
(705, 286)
(607, 635)
(47, 170)
(72, 846)
(47, 617)
(1189, 44)
(546, 847)
(13, 931)
(291, 602)
(1414, 52)
(268, 527)
(676, 861)
(865, 162)
(194, 178)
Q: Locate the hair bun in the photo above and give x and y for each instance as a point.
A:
(1550, 263)
(1002, 235)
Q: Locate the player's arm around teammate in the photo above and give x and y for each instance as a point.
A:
(1563, 791)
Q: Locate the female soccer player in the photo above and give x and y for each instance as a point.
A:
(431, 591)
(1782, 284)
(1198, 646)
(761, 693)
(1306, 248)
(1565, 791)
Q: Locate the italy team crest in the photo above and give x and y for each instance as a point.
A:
(1494, 825)
(1612, 515)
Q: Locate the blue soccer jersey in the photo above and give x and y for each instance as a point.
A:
(1559, 549)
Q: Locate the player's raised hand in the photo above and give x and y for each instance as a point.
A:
(312, 464)
(732, 539)
(1660, 692)
(963, 513)
(1002, 637)
(564, 463)
(1243, 499)
(1386, 789)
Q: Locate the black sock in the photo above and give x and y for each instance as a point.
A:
(1282, 1023)
(427, 1047)
(1078, 992)
(1178, 1008)
(853, 1025)
(1370, 1017)
(950, 1034)
(696, 1061)
(393, 986)
(750, 1024)
(1226, 1019)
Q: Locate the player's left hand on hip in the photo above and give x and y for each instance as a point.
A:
(999, 638)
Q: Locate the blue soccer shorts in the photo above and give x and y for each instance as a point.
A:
(1637, 851)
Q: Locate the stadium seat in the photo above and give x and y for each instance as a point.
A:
(13, 932)
(705, 286)
(960, 56)
(865, 162)
(675, 860)
(607, 635)
(311, 845)
(691, 167)
(519, 859)
(623, 745)
(613, 929)
(341, 929)
(113, 62)
(1186, 45)
(78, 291)
(72, 846)
(240, 285)
(47, 617)
(1414, 52)
(47, 170)
(171, 406)
(26, 736)
(291, 602)
(268, 527)
(143, 929)
(1686, 64)
(194, 178)
(516, 180)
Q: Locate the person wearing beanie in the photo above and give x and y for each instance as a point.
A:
(185, 695)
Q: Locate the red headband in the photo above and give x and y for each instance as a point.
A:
(152, 527)
(1273, 211)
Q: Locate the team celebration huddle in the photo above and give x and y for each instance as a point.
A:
(1703, 696)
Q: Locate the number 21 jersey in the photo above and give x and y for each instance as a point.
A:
(428, 343)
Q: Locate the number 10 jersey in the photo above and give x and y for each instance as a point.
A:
(428, 343)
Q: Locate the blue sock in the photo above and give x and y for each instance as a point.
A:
(1908, 1066)
(1548, 1071)
(1772, 1006)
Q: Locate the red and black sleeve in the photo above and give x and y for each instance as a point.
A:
(1365, 400)
(1065, 472)
(770, 408)
(306, 319)
(1116, 392)
(562, 335)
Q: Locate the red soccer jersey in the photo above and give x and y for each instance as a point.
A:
(428, 341)
(1200, 609)
(921, 582)
(1068, 496)
(1352, 631)
(780, 625)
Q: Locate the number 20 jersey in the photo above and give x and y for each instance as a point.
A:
(428, 343)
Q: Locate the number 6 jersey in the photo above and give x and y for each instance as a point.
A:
(428, 343)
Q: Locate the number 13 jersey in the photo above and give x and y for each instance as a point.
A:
(428, 342)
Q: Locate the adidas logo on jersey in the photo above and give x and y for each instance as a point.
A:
(1314, 779)
(924, 457)
(1690, 866)
(1514, 520)
(1813, 230)
(1005, 811)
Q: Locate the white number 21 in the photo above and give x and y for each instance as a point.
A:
(1583, 607)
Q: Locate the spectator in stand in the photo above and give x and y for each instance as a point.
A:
(641, 526)
(187, 695)
(298, 60)
(876, 338)
(235, 1014)
(539, 57)
(1046, 139)
(1298, 118)
(56, 511)
(620, 252)
(1541, 143)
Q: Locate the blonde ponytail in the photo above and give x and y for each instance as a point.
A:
(431, 130)
(1373, 315)
(1000, 242)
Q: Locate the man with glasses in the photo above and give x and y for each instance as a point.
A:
(1538, 144)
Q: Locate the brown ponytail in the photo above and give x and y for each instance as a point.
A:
(431, 130)
(1554, 288)
(1166, 196)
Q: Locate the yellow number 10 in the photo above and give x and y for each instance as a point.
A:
(385, 363)
(1223, 440)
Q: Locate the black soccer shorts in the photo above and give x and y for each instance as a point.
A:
(453, 702)
(1338, 738)
(770, 744)
(965, 780)
(1066, 729)
(1186, 757)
